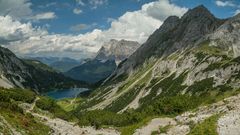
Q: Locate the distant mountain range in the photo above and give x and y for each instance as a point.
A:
(105, 62)
(60, 64)
(92, 71)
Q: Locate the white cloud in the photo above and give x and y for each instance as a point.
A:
(80, 46)
(79, 27)
(237, 12)
(21, 10)
(16, 8)
(136, 26)
(80, 2)
(82, 26)
(13, 30)
(225, 3)
(77, 11)
(109, 20)
(44, 16)
(96, 3)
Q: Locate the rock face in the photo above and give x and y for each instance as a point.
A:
(117, 50)
(196, 54)
(174, 35)
(17, 73)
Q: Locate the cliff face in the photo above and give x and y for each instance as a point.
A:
(117, 50)
(175, 34)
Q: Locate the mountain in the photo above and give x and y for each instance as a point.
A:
(117, 50)
(30, 74)
(45, 60)
(183, 81)
(99, 68)
(92, 71)
(196, 55)
(60, 64)
(65, 65)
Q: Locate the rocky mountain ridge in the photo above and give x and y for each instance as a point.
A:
(185, 56)
(117, 50)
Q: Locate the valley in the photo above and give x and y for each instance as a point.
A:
(183, 80)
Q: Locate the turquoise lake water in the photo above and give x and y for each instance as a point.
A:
(66, 93)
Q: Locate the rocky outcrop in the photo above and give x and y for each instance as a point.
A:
(117, 50)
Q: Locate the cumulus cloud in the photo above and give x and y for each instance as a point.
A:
(77, 11)
(225, 3)
(13, 30)
(80, 46)
(21, 10)
(138, 25)
(135, 26)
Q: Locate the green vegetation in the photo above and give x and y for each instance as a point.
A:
(207, 127)
(7, 95)
(98, 118)
(169, 86)
(39, 65)
(124, 99)
(206, 48)
(14, 115)
(201, 86)
(129, 130)
(162, 130)
(69, 104)
(48, 104)
(25, 123)
(171, 105)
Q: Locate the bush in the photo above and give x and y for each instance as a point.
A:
(48, 104)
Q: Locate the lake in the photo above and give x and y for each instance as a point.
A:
(66, 93)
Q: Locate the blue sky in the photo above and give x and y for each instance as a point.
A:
(99, 17)
(78, 28)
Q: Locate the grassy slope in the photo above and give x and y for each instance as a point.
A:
(14, 115)
(207, 127)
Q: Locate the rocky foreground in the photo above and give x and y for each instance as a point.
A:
(227, 124)
(57, 126)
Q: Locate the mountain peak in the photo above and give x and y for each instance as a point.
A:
(199, 11)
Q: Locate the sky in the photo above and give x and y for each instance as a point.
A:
(78, 28)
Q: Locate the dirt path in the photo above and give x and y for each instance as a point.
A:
(154, 126)
(62, 127)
